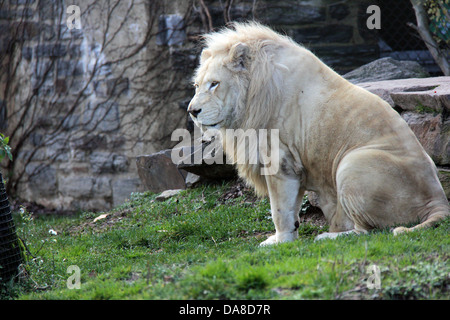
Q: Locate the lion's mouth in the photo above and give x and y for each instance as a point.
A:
(212, 125)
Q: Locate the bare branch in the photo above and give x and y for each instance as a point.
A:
(208, 15)
(227, 10)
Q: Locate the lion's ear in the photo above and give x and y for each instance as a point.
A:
(238, 57)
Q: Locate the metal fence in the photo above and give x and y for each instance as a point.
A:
(10, 250)
(400, 41)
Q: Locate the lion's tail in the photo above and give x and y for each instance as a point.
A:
(431, 221)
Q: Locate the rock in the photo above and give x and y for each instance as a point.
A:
(386, 69)
(167, 194)
(182, 167)
(425, 105)
(211, 171)
(199, 162)
(413, 94)
(444, 178)
(339, 11)
(345, 58)
(102, 187)
(158, 173)
(192, 179)
(313, 198)
(433, 133)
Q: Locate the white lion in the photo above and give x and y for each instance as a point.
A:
(336, 139)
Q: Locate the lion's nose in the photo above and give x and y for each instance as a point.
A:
(195, 112)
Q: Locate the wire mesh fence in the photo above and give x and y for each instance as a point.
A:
(397, 39)
(10, 251)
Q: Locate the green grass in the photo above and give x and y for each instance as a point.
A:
(195, 246)
(420, 108)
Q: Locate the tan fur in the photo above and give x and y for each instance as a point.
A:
(336, 139)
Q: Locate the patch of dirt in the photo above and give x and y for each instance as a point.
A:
(37, 210)
(89, 223)
(236, 190)
(313, 215)
(100, 223)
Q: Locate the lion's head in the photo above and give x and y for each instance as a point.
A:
(219, 83)
(239, 79)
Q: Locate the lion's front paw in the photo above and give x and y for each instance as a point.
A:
(334, 235)
(280, 237)
(270, 241)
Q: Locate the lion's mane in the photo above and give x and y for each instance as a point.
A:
(260, 87)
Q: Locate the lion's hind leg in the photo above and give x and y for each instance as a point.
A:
(343, 221)
(340, 223)
(367, 194)
(376, 190)
(428, 223)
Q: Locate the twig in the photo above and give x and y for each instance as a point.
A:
(26, 247)
(413, 26)
(208, 15)
(253, 8)
(226, 11)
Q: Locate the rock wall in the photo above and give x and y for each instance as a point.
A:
(80, 104)
(425, 106)
(334, 30)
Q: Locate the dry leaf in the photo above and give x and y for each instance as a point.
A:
(102, 216)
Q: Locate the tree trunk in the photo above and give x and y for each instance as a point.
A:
(424, 32)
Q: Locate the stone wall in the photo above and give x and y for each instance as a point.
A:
(81, 104)
(334, 30)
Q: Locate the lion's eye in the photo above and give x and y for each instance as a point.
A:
(213, 85)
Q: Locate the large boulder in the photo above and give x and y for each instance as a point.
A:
(431, 94)
(425, 106)
(444, 177)
(158, 173)
(201, 163)
(182, 167)
(386, 69)
(433, 132)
